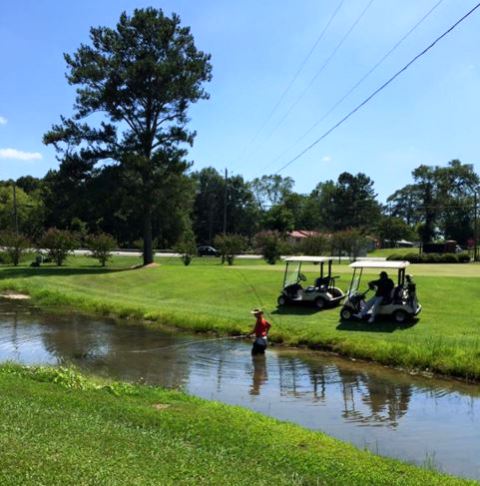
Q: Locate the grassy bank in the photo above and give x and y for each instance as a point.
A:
(207, 296)
(58, 427)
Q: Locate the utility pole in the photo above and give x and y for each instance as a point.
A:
(15, 213)
(475, 226)
(225, 198)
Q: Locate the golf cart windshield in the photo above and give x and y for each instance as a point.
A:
(355, 283)
(294, 267)
(292, 273)
(359, 266)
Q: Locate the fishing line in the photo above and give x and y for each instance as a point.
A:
(257, 295)
(187, 343)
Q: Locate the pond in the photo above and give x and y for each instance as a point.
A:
(429, 422)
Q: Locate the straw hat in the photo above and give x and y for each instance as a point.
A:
(256, 312)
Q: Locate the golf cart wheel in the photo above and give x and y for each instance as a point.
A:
(320, 303)
(281, 300)
(346, 314)
(400, 316)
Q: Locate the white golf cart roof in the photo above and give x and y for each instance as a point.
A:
(308, 259)
(377, 264)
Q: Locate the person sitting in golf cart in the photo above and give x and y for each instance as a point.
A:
(384, 286)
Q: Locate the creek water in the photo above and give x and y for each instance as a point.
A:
(429, 422)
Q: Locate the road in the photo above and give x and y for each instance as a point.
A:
(172, 254)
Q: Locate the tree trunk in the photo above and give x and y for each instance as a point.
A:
(147, 238)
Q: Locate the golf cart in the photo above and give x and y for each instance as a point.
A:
(402, 304)
(322, 294)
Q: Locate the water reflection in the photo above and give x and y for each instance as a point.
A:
(386, 402)
(259, 375)
(390, 412)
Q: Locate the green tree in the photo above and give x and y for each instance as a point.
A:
(304, 215)
(209, 203)
(141, 76)
(101, 246)
(271, 190)
(349, 242)
(279, 218)
(426, 181)
(440, 202)
(59, 244)
(29, 211)
(187, 246)
(457, 184)
(348, 203)
(15, 245)
(405, 203)
(270, 244)
(229, 245)
(316, 245)
(393, 230)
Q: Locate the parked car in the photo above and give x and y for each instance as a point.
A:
(207, 250)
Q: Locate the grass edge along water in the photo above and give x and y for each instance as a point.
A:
(443, 341)
(61, 427)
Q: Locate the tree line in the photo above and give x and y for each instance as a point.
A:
(438, 204)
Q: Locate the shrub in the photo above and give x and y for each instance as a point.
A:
(186, 247)
(59, 244)
(269, 244)
(432, 257)
(463, 258)
(396, 257)
(101, 246)
(229, 245)
(15, 245)
(449, 258)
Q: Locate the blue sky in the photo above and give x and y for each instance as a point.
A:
(429, 115)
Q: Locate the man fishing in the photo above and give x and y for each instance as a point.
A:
(260, 332)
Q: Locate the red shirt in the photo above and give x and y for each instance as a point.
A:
(261, 327)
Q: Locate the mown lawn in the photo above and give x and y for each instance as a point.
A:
(207, 296)
(60, 428)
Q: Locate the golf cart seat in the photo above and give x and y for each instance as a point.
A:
(398, 294)
(293, 290)
(322, 282)
(395, 296)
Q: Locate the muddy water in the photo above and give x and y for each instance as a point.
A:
(435, 423)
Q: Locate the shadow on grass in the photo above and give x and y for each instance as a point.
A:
(379, 326)
(25, 272)
(295, 310)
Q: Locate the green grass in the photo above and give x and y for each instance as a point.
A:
(207, 296)
(60, 428)
(385, 252)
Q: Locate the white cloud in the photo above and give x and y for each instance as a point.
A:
(3, 120)
(14, 154)
(326, 158)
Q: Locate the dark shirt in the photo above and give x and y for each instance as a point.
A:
(384, 287)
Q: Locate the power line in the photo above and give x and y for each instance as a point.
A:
(360, 81)
(322, 67)
(378, 90)
(295, 76)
